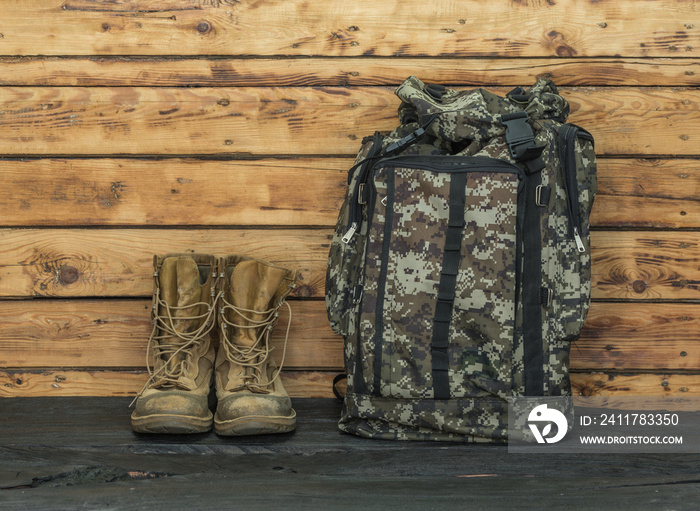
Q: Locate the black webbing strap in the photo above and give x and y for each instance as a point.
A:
(532, 292)
(447, 287)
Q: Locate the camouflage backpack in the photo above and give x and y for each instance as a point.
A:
(459, 271)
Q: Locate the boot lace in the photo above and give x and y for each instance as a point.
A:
(166, 375)
(255, 356)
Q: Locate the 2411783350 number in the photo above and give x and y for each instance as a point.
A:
(639, 419)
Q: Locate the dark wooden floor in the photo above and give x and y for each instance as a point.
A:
(69, 453)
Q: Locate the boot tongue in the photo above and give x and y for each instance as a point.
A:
(179, 287)
(254, 286)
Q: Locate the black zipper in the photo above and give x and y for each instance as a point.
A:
(357, 194)
(450, 164)
(568, 133)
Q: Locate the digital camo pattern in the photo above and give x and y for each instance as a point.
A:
(476, 412)
(458, 420)
(483, 316)
(474, 114)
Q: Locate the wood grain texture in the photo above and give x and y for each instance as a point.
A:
(113, 334)
(296, 27)
(630, 265)
(119, 262)
(297, 120)
(601, 384)
(350, 71)
(639, 193)
(651, 193)
(645, 265)
(20, 383)
(633, 337)
(131, 127)
(173, 192)
(58, 382)
(92, 459)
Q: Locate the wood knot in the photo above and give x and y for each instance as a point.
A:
(68, 274)
(203, 27)
(586, 391)
(639, 286)
(304, 291)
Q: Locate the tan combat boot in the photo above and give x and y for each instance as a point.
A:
(175, 398)
(251, 398)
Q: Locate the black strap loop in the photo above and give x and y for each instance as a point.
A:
(338, 378)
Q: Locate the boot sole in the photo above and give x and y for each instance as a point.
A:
(255, 425)
(170, 424)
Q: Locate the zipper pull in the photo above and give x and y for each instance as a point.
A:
(351, 232)
(579, 241)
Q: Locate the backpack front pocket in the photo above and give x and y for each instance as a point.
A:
(438, 312)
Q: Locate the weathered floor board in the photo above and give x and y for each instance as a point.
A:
(92, 459)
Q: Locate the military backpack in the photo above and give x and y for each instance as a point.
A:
(459, 271)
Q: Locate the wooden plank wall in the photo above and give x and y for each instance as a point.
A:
(134, 127)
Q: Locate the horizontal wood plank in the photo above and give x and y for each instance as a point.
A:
(639, 193)
(349, 71)
(173, 192)
(113, 333)
(629, 337)
(119, 262)
(297, 120)
(632, 265)
(129, 383)
(602, 384)
(296, 27)
(189, 191)
(70, 333)
(316, 384)
(645, 265)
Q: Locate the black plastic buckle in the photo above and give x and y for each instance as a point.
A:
(520, 137)
(404, 142)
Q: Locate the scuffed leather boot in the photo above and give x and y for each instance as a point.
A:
(251, 398)
(175, 398)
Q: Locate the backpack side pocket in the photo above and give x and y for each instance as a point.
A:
(579, 186)
(346, 254)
